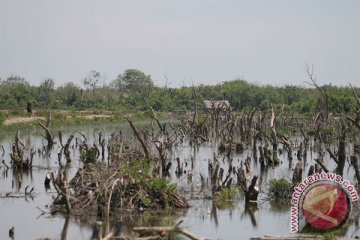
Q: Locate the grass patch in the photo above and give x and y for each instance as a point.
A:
(225, 198)
(163, 185)
(3, 116)
(329, 234)
(138, 170)
(280, 190)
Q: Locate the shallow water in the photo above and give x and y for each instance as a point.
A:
(203, 218)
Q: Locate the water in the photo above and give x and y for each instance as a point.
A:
(31, 219)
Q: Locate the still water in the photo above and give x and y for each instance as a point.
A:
(31, 219)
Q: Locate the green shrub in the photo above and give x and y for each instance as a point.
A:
(139, 169)
(280, 189)
(162, 185)
(2, 117)
(225, 198)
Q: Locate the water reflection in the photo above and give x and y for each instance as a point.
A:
(251, 209)
(18, 176)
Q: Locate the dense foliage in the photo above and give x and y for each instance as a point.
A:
(134, 90)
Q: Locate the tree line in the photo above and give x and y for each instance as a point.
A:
(134, 90)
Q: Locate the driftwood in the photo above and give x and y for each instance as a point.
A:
(165, 232)
(295, 237)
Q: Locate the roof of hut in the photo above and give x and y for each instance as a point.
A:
(222, 104)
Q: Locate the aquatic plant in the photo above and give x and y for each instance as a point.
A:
(280, 189)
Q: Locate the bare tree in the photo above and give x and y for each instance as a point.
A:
(322, 90)
(356, 120)
(92, 80)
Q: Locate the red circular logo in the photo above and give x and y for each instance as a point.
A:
(325, 206)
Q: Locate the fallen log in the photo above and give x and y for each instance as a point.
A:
(297, 237)
(165, 231)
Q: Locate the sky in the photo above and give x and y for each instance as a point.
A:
(182, 42)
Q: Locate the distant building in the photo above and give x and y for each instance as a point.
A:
(218, 106)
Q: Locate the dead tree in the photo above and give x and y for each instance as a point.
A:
(88, 153)
(65, 147)
(251, 192)
(322, 91)
(195, 107)
(61, 185)
(48, 135)
(274, 139)
(102, 143)
(262, 157)
(165, 164)
(249, 120)
(356, 120)
(341, 151)
(155, 117)
(298, 170)
(289, 146)
(18, 158)
(306, 138)
(332, 155)
(139, 137)
(355, 160)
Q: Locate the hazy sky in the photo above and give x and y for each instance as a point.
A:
(188, 41)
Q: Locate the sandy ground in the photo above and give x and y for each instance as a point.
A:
(92, 116)
(15, 120)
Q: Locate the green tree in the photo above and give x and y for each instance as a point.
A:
(15, 91)
(46, 92)
(69, 94)
(133, 80)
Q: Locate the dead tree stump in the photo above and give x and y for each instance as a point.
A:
(355, 160)
(48, 135)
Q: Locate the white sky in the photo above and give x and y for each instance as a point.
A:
(189, 41)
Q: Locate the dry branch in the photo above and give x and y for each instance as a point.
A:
(322, 90)
(332, 155)
(321, 165)
(164, 231)
(139, 137)
(48, 135)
